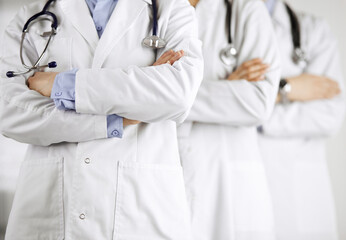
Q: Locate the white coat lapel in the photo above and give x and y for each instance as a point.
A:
(280, 16)
(78, 13)
(125, 14)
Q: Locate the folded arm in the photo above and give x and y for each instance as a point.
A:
(248, 100)
(148, 94)
(27, 116)
(317, 101)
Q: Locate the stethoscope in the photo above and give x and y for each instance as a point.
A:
(228, 55)
(299, 56)
(154, 41)
(37, 66)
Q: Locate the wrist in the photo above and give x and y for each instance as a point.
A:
(233, 76)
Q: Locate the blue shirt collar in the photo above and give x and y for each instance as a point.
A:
(271, 5)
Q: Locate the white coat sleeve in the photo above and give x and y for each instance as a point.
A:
(315, 118)
(27, 116)
(149, 94)
(240, 102)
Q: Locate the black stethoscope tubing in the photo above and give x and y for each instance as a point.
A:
(298, 55)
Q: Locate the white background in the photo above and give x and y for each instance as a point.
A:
(334, 11)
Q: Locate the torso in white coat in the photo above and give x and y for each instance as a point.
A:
(223, 171)
(293, 140)
(75, 183)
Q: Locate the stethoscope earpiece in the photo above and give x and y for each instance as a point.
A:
(52, 64)
(10, 74)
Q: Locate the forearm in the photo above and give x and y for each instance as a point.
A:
(320, 118)
(30, 118)
(237, 102)
(147, 94)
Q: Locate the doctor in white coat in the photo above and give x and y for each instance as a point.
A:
(76, 182)
(293, 140)
(223, 170)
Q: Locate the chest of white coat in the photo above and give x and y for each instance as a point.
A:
(71, 50)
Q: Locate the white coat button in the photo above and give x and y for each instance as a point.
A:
(87, 160)
(82, 216)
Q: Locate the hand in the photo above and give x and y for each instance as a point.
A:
(127, 122)
(193, 2)
(252, 71)
(307, 87)
(42, 82)
(169, 57)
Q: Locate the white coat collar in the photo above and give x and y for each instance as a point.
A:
(78, 13)
(280, 16)
(147, 1)
(124, 16)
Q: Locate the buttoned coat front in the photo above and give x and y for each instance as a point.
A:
(74, 182)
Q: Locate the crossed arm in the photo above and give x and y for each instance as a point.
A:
(43, 82)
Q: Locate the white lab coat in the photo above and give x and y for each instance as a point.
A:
(293, 141)
(12, 155)
(223, 171)
(75, 183)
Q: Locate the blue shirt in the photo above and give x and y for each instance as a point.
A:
(271, 6)
(101, 11)
(63, 91)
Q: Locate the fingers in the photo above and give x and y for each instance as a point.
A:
(251, 62)
(176, 57)
(169, 57)
(332, 89)
(255, 72)
(127, 122)
(164, 58)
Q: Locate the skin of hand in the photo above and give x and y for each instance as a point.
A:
(42, 82)
(169, 57)
(307, 87)
(252, 71)
(193, 2)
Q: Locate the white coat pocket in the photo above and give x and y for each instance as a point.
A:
(151, 203)
(37, 211)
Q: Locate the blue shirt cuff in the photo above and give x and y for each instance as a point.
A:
(114, 126)
(63, 91)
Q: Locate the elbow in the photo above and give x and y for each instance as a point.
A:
(264, 115)
(15, 133)
(261, 113)
(182, 110)
(185, 98)
(24, 140)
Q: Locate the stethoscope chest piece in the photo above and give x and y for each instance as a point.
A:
(154, 42)
(228, 55)
(299, 57)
